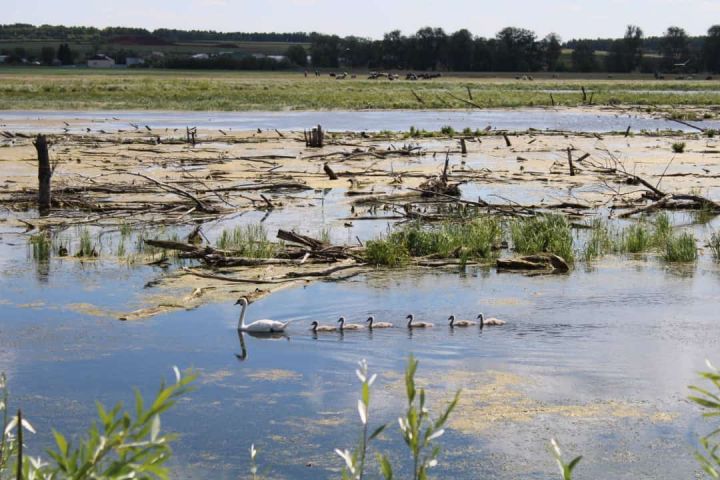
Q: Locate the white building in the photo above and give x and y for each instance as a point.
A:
(130, 61)
(100, 61)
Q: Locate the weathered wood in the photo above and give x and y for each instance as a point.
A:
(507, 140)
(329, 171)
(570, 162)
(541, 262)
(463, 146)
(315, 138)
(310, 242)
(44, 174)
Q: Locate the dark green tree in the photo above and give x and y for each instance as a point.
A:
(297, 55)
(583, 57)
(674, 47)
(325, 50)
(552, 49)
(47, 55)
(517, 50)
(461, 50)
(711, 49)
(626, 54)
(65, 55)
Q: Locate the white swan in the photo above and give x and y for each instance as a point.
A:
(349, 326)
(490, 322)
(460, 323)
(373, 324)
(260, 326)
(322, 328)
(410, 318)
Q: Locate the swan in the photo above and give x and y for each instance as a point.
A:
(349, 326)
(411, 325)
(490, 322)
(260, 326)
(372, 324)
(322, 328)
(460, 323)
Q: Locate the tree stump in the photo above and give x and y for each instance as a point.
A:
(44, 174)
(315, 138)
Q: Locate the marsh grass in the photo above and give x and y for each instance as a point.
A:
(87, 247)
(680, 248)
(543, 234)
(714, 245)
(601, 240)
(249, 241)
(678, 147)
(476, 239)
(41, 246)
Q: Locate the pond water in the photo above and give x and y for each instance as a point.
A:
(396, 120)
(601, 359)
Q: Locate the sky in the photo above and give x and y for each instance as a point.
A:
(372, 18)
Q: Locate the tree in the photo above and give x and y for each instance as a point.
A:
(517, 50)
(394, 50)
(626, 54)
(674, 47)
(711, 49)
(461, 50)
(325, 50)
(551, 49)
(297, 55)
(428, 48)
(583, 57)
(47, 55)
(65, 55)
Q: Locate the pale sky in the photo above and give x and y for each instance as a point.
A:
(372, 18)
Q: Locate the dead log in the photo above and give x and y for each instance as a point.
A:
(315, 138)
(329, 171)
(463, 146)
(507, 140)
(547, 262)
(293, 237)
(44, 174)
(570, 162)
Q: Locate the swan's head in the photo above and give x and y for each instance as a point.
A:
(370, 320)
(242, 301)
(314, 324)
(451, 318)
(341, 320)
(482, 320)
(409, 318)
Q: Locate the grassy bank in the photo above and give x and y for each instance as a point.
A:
(45, 88)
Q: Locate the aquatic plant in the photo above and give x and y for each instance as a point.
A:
(714, 245)
(710, 401)
(636, 238)
(247, 240)
(123, 446)
(86, 248)
(566, 469)
(447, 130)
(385, 252)
(355, 461)
(41, 245)
(601, 240)
(680, 248)
(678, 147)
(543, 234)
(125, 229)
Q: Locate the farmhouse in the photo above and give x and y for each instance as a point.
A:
(100, 61)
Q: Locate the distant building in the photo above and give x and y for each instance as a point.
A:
(278, 58)
(130, 61)
(200, 56)
(100, 61)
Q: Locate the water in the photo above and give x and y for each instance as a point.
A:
(599, 359)
(514, 120)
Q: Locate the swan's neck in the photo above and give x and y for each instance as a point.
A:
(241, 320)
(482, 321)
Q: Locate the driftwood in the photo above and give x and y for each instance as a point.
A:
(330, 173)
(545, 262)
(44, 174)
(315, 138)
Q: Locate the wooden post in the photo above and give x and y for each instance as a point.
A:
(627, 132)
(570, 162)
(445, 168)
(19, 469)
(469, 93)
(463, 146)
(44, 174)
(552, 100)
(315, 137)
(584, 94)
(507, 140)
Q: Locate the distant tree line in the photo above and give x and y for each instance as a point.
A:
(520, 50)
(21, 31)
(511, 49)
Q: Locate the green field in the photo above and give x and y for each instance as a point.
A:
(48, 88)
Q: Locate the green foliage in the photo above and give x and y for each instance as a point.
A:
(680, 248)
(710, 401)
(385, 252)
(601, 241)
(249, 241)
(418, 429)
(678, 147)
(41, 247)
(543, 234)
(566, 469)
(447, 130)
(472, 240)
(87, 246)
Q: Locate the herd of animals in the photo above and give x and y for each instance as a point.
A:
(275, 326)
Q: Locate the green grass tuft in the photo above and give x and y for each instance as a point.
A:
(680, 248)
(248, 241)
(543, 234)
(678, 147)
